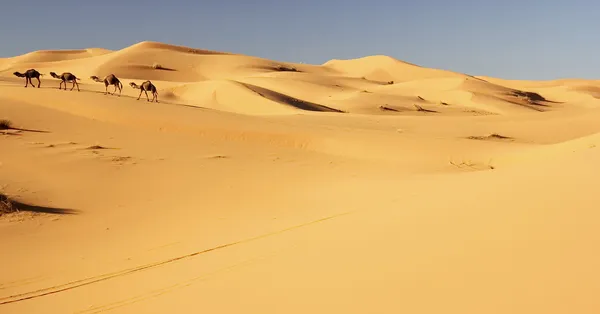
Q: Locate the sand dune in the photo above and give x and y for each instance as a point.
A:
(385, 69)
(260, 186)
(354, 86)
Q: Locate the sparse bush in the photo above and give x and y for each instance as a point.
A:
(6, 206)
(5, 124)
(490, 137)
(96, 147)
(157, 66)
(391, 82)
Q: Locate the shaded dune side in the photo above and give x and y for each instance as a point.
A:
(311, 87)
(288, 100)
(486, 91)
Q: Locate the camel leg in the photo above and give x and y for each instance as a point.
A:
(140, 95)
(147, 98)
(39, 82)
(105, 89)
(75, 83)
(26, 82)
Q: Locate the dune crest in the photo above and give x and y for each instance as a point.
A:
(387, 69)
(42, 56)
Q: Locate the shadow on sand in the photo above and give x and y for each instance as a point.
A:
(27, 130)
(289, 100)
(8, 205)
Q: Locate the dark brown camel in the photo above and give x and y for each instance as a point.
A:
(28, 75)
(66, 77)
(110, 79)
(146, 87)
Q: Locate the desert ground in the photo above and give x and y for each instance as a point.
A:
(369, 185)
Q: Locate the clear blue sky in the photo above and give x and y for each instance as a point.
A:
(535, 39)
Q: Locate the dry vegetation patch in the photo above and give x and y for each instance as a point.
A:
(6, 206)
(386, 108)
(5, 124)
(421, 109)
(493, 136)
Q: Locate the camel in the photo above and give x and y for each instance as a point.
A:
(110, 79)
(66, 77)
(146, 87)
(28, 75)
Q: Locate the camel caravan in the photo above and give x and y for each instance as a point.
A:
(110, 79)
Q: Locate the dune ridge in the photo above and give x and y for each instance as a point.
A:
(362, 85)
(259, 186)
